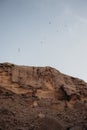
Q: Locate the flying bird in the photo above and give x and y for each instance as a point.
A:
(49, 22)
(18, 49)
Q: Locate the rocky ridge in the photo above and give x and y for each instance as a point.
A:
(38, 98)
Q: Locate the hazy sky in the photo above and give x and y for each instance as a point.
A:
(45, 33)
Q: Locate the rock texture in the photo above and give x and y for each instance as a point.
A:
(41, 98)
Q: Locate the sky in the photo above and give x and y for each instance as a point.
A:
(45, 33)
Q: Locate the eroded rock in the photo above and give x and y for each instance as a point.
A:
(26, 92)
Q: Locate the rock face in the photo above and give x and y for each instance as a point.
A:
(41, 98)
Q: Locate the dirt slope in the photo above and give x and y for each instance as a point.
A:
(41, 98)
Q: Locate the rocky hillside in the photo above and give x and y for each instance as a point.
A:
(41, 98)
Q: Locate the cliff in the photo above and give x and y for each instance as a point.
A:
(38, 98)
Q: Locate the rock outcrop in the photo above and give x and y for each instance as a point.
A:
(38, 98)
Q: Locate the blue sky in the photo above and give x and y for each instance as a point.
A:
(45, 33)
